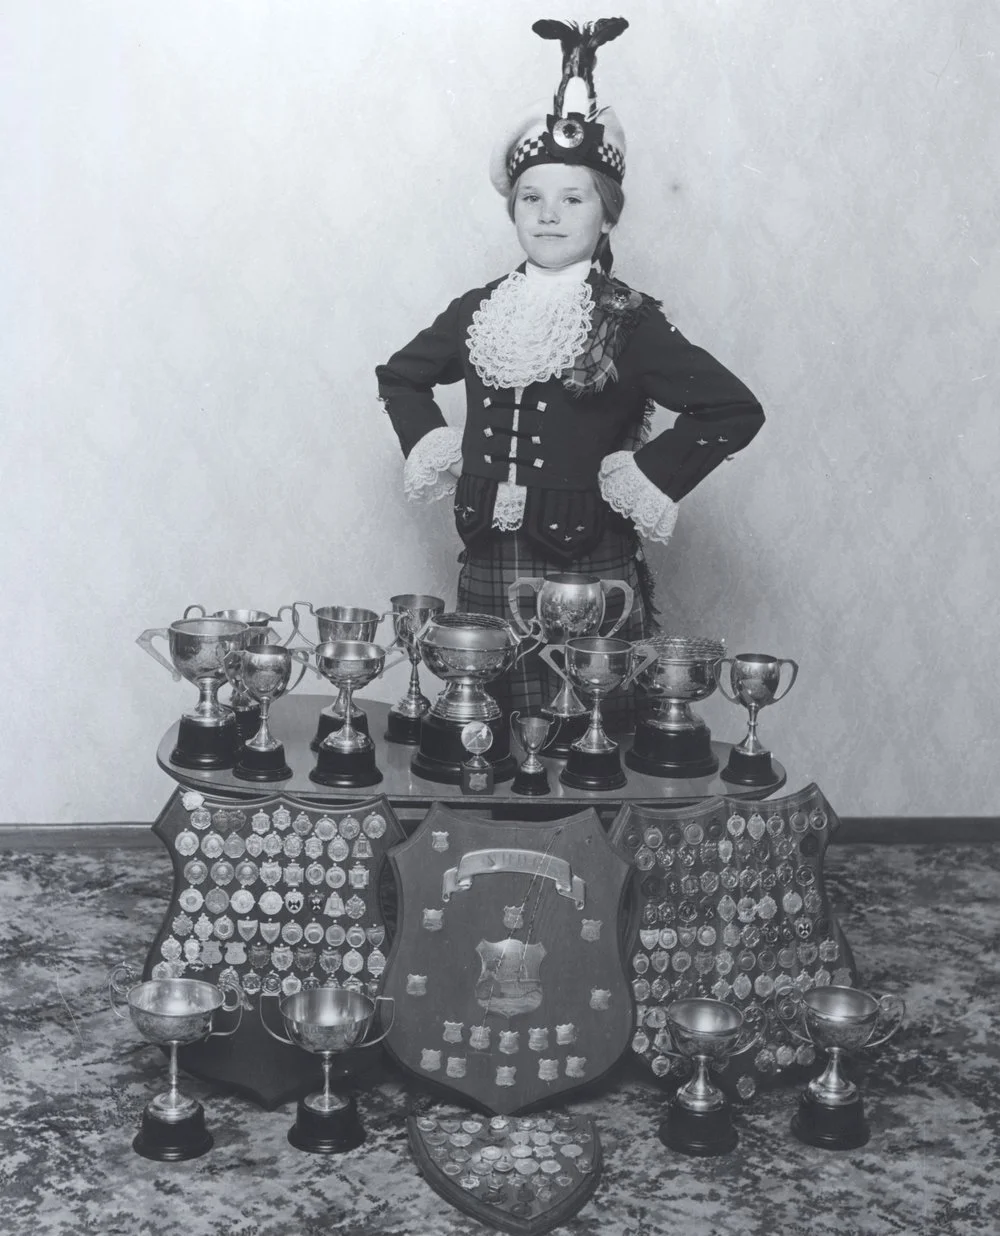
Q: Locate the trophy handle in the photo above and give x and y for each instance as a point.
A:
(789, 1009)
(296, 629)
(229, 989)
(791, 681)
(609, 585)
(401, 656)
(145, 642)
(117, 990)
(189, 612)
(533, 631)
(231, 664)
(546, 655)
(300, 655)
(718, 680)
(647, 655)
(532, 582)
(756, 1027)
(263, 1020)
(392, 1017)
(892, 1008)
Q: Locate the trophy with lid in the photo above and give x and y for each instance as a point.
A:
(207, 736)
(567, 605)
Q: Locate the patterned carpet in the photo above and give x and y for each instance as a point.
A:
(923, 921)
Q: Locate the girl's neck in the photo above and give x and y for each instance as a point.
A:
(577, 272)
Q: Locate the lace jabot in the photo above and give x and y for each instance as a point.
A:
(529, 330)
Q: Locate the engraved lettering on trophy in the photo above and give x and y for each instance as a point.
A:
(416, 985)
(600, 998)
(506, 1075)
(527, 862)
(509, 982)
(430, 1059)
(432, 920)
(439, 841)
(453, 1031)
(590, 929)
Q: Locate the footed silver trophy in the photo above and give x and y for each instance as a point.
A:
(754, 679)
(410, 610)
(262, 673)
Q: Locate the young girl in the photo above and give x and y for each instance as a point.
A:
(562, 363)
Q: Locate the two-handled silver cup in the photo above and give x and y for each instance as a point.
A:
(755, 681)
(532, 730)
(410, 611)
(327, 1021)
(595, 666)
(709, 1032)
(262, 673)
(838, 1020)
(172, 1012)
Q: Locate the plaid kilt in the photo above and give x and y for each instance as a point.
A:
(491, 567)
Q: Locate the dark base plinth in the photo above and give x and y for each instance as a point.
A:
(206, 746)
(698, 1133)
(532, 785)
(247, 722)
(402, 729)
(326, 1132)
(441, 753)
(743, 769)
(328, 724)
(565, 734)
(171, 1142)
(346, 770)
(257, 765)
(665, 753)
(831, 1128)
(601, 771)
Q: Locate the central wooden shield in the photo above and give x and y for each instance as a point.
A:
(507, 974)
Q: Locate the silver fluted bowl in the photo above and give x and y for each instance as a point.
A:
(477, 647)
(685, 669)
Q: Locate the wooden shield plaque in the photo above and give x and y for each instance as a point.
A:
(732, 905)
(274, 895)
(506, 969)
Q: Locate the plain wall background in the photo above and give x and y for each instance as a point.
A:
(218, 217)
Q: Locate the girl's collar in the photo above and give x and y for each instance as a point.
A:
(577, 273)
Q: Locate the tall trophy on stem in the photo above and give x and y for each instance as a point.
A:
(754, 678)
(262, 674)
(410, 611)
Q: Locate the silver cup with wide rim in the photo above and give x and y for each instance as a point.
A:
(259, 631)
(754, 683)
(263, 674)
(335, 623)
(410, 612)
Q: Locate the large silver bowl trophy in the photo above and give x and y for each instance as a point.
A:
(261, 674)
(172, 1012)
(466, 651)
(673, 741)
(595, 666)
(326, 1021)
(699, 1120)
(754, 679)
(410, 610)
(208, 736)
(567, 605)
(837, 1020)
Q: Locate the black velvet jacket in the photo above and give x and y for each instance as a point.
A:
(561, 437)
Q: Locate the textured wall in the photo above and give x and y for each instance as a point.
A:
(221, 216)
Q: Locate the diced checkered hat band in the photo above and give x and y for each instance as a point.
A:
(533, 151)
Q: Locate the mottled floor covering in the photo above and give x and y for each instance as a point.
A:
(923, 921)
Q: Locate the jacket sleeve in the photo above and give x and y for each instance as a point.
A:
(407, 380)
(717, 414)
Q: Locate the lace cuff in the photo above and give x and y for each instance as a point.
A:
(425, 474)
(627, 490)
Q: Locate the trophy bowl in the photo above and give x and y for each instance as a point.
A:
(410, 612)
(673, 741)
(172, 1012)
(263, 674)
(466, 651)
(838, 1020)
(754, 679)
(532, 729)
(333, 624)
(207, 736)
(346, 756)
(708, 1032)
(326, 1021)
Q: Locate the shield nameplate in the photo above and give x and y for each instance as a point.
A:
(732, 905)
(506, 970)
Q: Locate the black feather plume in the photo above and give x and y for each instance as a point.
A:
(579, 51)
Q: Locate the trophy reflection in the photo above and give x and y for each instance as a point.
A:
(709, 1032)
(262, 674)
(838, 1020)
(595, 666)
(207, 736)
(172, 1012)
(326, 1021)
(410, 611)
(532, 731)
(754, 679)
(346, 756)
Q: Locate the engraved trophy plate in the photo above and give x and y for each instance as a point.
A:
(518, 1174)
(507, 973)
(269, 926)
(732, 906)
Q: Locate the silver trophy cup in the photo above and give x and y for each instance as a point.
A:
(532, 730)
(172, 1012)
(333, 624)
(327, 1021)
(410, 611)
(346, 756)
(754, 679)
(262, 673)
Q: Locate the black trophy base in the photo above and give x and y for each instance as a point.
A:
(532, 785)
(831, 1128)
(206, 746)
(743, 769)
(600, 770)
(665, 753)
(171, 1141)
(401, 729)
(565, 735)
(257, 765)
(247, 722)
(327, 1132)
(346, 770)
(701, 1134)
(329, 724)
(441, 754)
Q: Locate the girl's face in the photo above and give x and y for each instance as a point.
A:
(558, 215)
